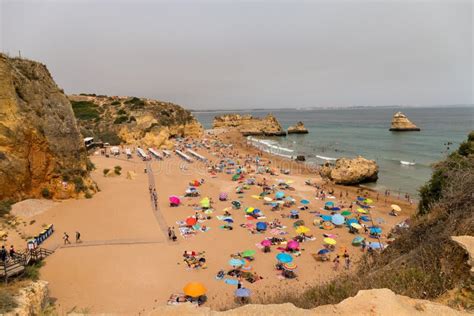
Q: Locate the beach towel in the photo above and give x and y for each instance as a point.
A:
(259, 245)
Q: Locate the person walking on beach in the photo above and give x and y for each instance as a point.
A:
(347, 262)
(66, 238)
(170, 233)
(12, 252)
(3, 254)
(78, 237)
(336, 263)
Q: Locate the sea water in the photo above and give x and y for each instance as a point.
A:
(349, 132)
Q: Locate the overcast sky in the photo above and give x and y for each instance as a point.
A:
(241, 54)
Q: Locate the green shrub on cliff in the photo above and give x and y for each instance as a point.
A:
(5, 207)
(85, 110)
(121, 119)
(46, 193)
(7, 302)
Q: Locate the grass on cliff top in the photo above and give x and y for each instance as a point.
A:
(85, 110)
(423, 262)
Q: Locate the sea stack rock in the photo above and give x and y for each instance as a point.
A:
(351, 171)
(400, 123)
(297, 129)
(42, 152)
(249, 125)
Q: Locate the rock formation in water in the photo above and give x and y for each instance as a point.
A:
(297, 129)
(131, 120)
(351, 171)
(400, 123)
(249, 125)
(42, 152)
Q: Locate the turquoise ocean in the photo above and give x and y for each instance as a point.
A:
(349, 132)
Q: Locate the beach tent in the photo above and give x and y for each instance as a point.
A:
(337, 219)
(194, 289)
(284, 257)
(223, 196)
(205, 202)
(174, 200)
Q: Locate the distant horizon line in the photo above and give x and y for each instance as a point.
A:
(309, 108)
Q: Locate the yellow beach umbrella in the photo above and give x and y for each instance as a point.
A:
(356, 226)
(302, 229)
(362, 211)
(368, 201)
(330, 241)
(194, 289)
(396, 208)
(249, 210)
(205, 202)
(290, 181)
(256, 197)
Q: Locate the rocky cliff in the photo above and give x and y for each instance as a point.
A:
(41, 150)
(401, 123)
(132, 120)
(249, 125)
(299, 128)
(351, 171)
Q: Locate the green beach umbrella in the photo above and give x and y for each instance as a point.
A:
(346, 213)
(248, 253)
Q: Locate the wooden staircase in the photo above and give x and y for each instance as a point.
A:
(16, 266)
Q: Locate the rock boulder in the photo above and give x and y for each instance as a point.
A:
(299, 128)
(249, 125)
(401, 123)
(351, 171)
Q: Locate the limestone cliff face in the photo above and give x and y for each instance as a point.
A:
(41, 148)
(351, 171)
(135, 121)
(299, 128)
(401, 123)
(249, 125)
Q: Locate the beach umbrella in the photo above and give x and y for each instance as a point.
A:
(256, 197)
(290, 181)
(284, 257)
(266, 243)
(228, 220)
(174, 200)
(256, 211)
(194, 289)
(396, 208)
(280, 195)
(268, 199)
(337, 219)
(302, 230)
(375, 245)
(299, 222)
(293, 244)
(330, 241)
(235, 177)
(359, 198)
(349, 221)
(356, 225)
(362, 211)
(323, 251)
(191, 221)
(375, 230)
(249, 210)
(326, 218)
(328, 225)
(248, 253)
(242, 292)
(336, 209)
(236, 262)
(329, 204)
(304, 202)
(368, 201)
(357, 240)
(223, 196)
(205, 202)
(236, 204)
(290, 266)
(294, 212)
(261, 225)
(365, 218)
(346, 213)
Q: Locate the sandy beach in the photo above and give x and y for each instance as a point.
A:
(125, 263)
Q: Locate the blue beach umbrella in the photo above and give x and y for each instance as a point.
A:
(294, 212)
(326, 218)
(337, 219)
(336, 208)
(375, 245)
(236, 262)
(284, 257)
(280, 195)
(375, 230)
(365, 218)
(350, 221)
(329, 204)
(357, 240)
(323, 251)
(242, 292)
(261, 225)
(304, 202)
(228, 220)
(359, 198)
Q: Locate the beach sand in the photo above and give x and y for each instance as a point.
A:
(126, 264)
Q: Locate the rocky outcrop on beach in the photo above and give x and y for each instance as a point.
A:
(367, 302)
(249, 125)
(351, 171)
(131, 120)
(401, 123)
(42, 153)
(299, 128)
(31, 299)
